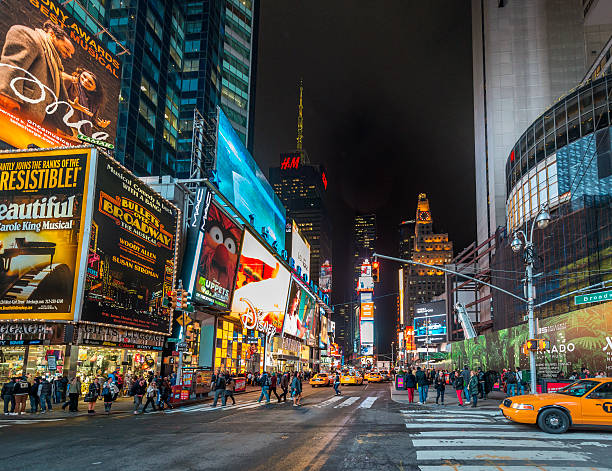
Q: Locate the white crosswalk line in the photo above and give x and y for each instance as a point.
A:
(501, 455)
(443, 426)
(461, 467)
(478, 442)
(348, 402)
(510, 433)
(329, 401)
(455, 411)
(27, 421)
(459, 420)
(367, 402)
(449, 416)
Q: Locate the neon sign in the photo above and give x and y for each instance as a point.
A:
(324, 178)
(289, 161)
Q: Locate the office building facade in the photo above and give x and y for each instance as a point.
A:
(364, 241)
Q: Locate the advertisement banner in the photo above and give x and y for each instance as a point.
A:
(42, 217)
(366, 332)
(132, 252)
(430, 322)
(243, 183)
(581, 338)
(301, 310)
(93, 334)
(324, 337)
(325, 277)
(367, 311)
(300, 251)
(32, 333)
(57, 79)
(261, 288)
(219, 246)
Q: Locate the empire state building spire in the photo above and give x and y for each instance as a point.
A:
(300, 123)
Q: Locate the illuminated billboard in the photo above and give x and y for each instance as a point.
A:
(367, 311)
(366, 335)
(325, 277)
(262, 283)
(300, 249)
(324, 337)
(243, 183)
(301, 312)
(57, 79)
(42, 218)
(430, 322)
(216, 251)
(132, 252)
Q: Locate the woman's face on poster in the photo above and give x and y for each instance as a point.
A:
(88, 82)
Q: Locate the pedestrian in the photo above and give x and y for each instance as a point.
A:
(481, 383)
(45, 395)
(457, 382)
(219, 388)
(520, 382)
(109, 393)
(465, 374)
(74, 391)
(151, 396)
(296, 389)
(273, 383)
(164, 394)
(284, 384)
(473, 387)
(440, 385)
(421, 380)
(7, 395)
(230, 387)
(21, 391)
(410, 384)
(34, 397)
(138, 390)
(92, 395)
(250, 379)
(337, 383)
(510, 379)
(584, 373)
(265, 383)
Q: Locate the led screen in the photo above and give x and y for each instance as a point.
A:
(57, 79)
(430, 322)
(243, 183)
(301, 310)
(367, 332)
(324, 337)
(300, 251)
(367, 311)
(262, 284)
(325, 277)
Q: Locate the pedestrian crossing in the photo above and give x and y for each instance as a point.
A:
(483, 440)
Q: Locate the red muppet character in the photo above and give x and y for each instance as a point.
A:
(220, 251)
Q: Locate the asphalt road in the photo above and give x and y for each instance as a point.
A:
(361, 430)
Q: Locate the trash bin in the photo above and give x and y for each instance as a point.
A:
(400, 382)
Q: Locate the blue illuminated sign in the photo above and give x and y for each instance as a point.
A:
(243, 183)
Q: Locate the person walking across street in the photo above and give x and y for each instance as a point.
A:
(45, 395)
(273, 382)
(151, 396)
(440, 385)
(421, 380)
(109, 393)
(230, 387)
(164, 394)
(410, 385)
(296, 389)
(7, 396)
(473, 387)
(337, 384)
(465, 374)
(138, 390)
(219, 385)
(265, 382)
(284, 384)
(20, 392)
(457, 382)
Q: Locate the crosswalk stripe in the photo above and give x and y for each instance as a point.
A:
(461, 467)
(329, 401)
(367, 402)
(449, 416)
(442, 426)
(502, 455)
(459, 420)
(452, 411)
(522, 434)
(27, 421)
(348, 402)
(478, 442)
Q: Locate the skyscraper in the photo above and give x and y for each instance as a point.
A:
(421, 283)
(364, 241)
(406, 239)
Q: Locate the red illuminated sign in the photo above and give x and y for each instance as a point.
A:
(512, 156)
(289, 161)
(324, 178)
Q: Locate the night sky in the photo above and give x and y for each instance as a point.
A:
(387, 110)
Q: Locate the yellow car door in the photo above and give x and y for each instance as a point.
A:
(597, 405)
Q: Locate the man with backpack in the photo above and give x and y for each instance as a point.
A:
(264, 382)
(219, 388)
(520, 382)
(510, 379)
(284, 384)
(337, 383)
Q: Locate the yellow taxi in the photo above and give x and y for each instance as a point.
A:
(585, 402)
(385, 375)
(320, 379)
(374, 377)
(351, 377)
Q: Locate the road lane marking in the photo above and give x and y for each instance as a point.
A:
(461, 467)
(367, 402)
(348, 402)
(329, 401)
(460, 420)
(438, 425)
(443, 412)
(27, 421)
(478, 442)
(510, 433)
(501, 455)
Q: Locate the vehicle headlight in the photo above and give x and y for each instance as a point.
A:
(519, 406)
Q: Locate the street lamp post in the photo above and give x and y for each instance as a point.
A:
(542, 220)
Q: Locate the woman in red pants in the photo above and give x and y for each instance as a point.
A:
(457, 382)
(410, 385)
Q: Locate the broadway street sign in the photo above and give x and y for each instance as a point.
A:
(593, 297)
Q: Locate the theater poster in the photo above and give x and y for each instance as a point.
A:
(42, 218)
(59, 83)
(132, 252)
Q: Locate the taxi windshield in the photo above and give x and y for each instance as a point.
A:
(579, 388)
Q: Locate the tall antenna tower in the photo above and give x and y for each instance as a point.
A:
(300, 123)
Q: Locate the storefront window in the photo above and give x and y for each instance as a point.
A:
(11, 362)
(38, 363)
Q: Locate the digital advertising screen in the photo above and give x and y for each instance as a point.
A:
(430, 322)
(243, 183)
(262, 283)
(57, 79)
(301, 311)
(324, 337)
(217, 255)
(42, 217)
(300, 250)
(325, 277)
(367, 311)
(132, 252)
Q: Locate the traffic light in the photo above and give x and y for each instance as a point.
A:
(172, 298)
(537, 345)
(375, 272)
(183, 299)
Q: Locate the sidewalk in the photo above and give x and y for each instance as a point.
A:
(123, 405)
(450, 398)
